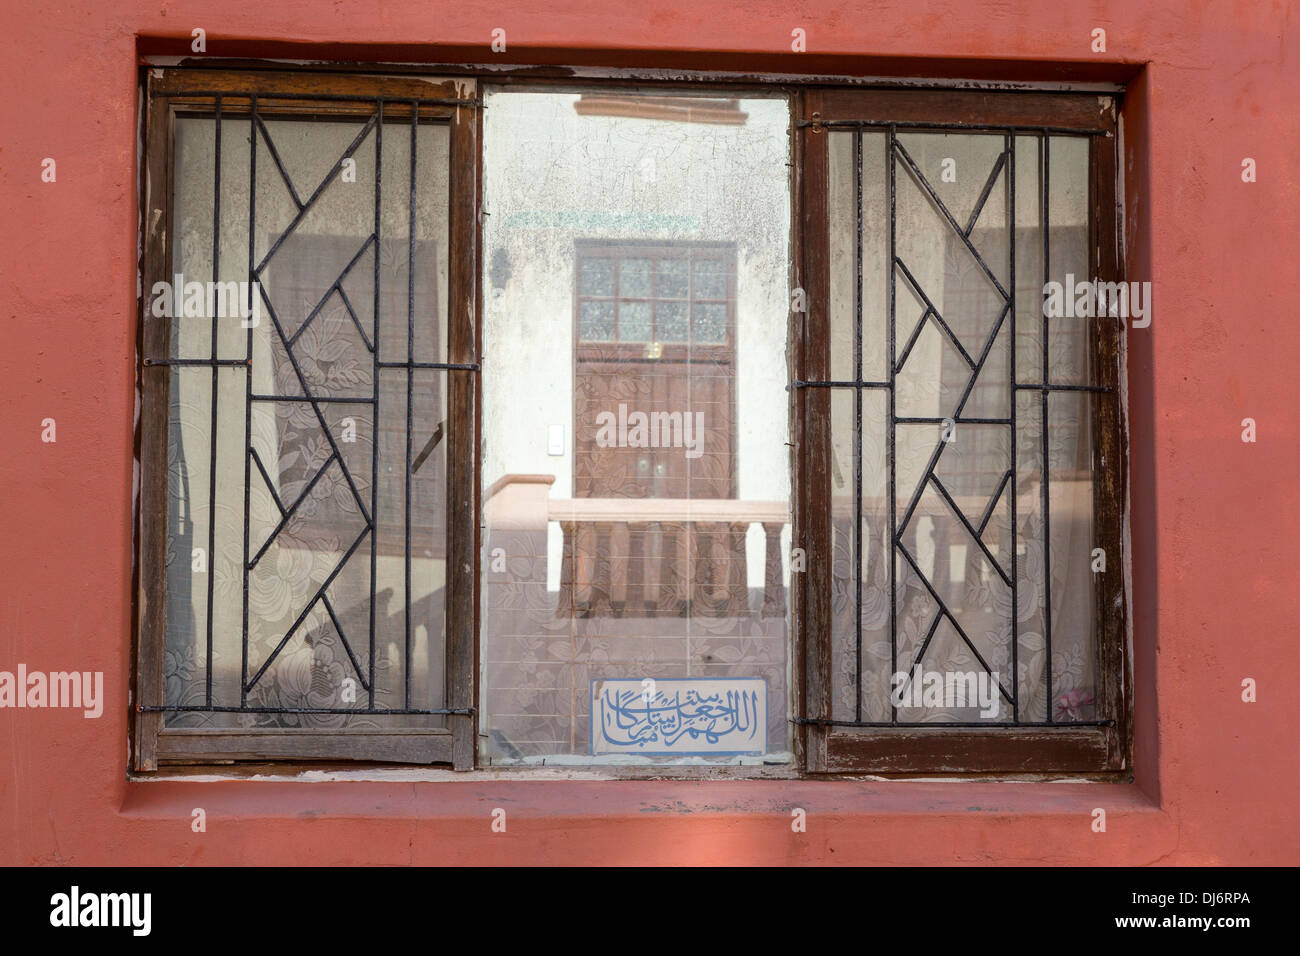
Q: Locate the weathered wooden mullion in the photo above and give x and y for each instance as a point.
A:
(1110, 464)
(812, 484)
(464, 396)
(154, 384)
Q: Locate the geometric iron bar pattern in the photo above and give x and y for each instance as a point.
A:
(309, 398)
(974, 362)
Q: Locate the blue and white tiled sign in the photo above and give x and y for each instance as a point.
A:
(685, 717)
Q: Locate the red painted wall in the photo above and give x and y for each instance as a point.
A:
(1214, 520)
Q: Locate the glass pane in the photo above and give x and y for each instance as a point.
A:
(877, 652)
(634, 321)
(875, 258)
(634, 278)
(842, 212)
(843, 207)
(673, 324)
(673, 279)
(957, 167)
(195, 146)
(1029, 260)
(597, 277)
(1068, 352)
(710, 323)
(843, 557)
(1074, 586)
(710, 279)
(950, 304)
(596, 321)
(1030, 561)
(634, 579)
(323, 476)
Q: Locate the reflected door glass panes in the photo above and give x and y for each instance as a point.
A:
(636, 486)
(307, 550)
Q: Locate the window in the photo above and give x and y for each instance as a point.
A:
(307, 430)
(962, 451)
(609, 492)
(665, 295)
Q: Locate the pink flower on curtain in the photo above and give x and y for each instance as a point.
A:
(1069, 706)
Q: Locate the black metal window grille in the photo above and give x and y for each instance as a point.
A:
(896, 155)
(249, 104)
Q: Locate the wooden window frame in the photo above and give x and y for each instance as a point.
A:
(451, 101)
(835, 748)
(820, 748)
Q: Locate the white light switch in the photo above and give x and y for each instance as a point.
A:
(555, 440)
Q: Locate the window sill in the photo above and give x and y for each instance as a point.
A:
(567, 793)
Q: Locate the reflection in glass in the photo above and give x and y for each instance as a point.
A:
(653, 548)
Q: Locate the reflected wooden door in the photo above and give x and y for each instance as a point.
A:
(654, 417)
